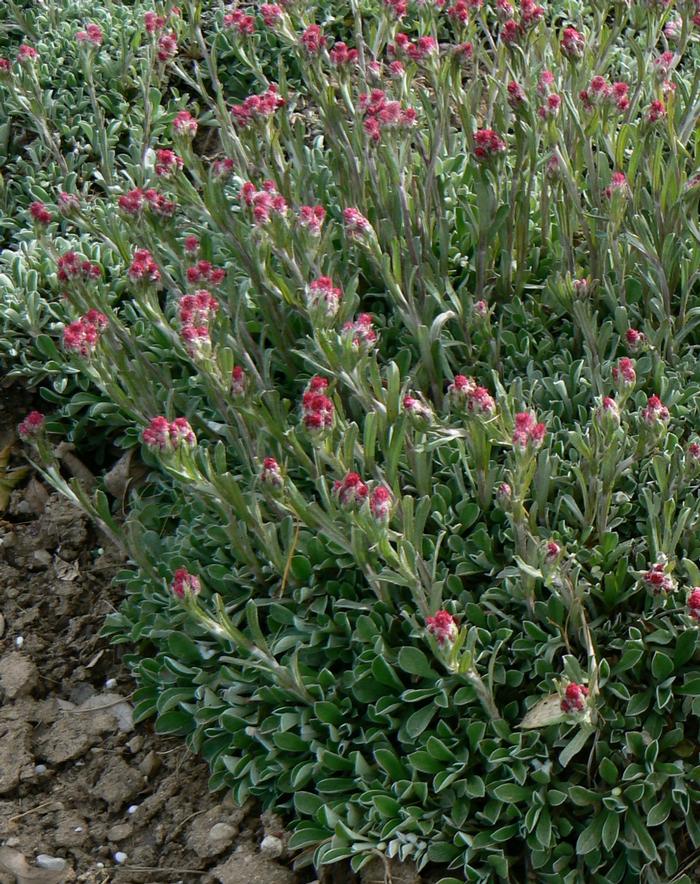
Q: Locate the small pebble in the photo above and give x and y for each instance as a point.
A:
(19, 641)
(100, 865)
(120, 857)
(40, 768)
(111, 683)
(55, 863)
(78, 829)
(271, 847)
(132, 808)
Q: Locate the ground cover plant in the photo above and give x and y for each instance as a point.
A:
(399, 305)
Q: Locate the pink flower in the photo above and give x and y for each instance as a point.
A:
(480, 310)
(656, 111)
(31, 426)
(83, 335)
(460, 389)
(323, 298)
(516, 95)
(197, 309)
(504, 494)
(657, 580)
(5, 68)
(480, 402)
(91, 35)
(167, 163)
(191, 245)
(572, 44)
(351, 491)
(159, 204)
(528, 434)
(222, 168)
(205, 272)
(340, 55)
(257, 107)
(311, 218)
(157, 434)
(184, 583)
(487, 145)
(552, 552)
(694, 603)
(182, 434)
(313, 40)
(380, 503)
(271, 474)
(361, 333)
(26, 53)
(184, 124)
(153, 22)
(624, 375)
(317, 410)
(271, 14)
(618, 186)
(72, 267)
(655, 413)
(443, 627)
(530, 13)
(264, 203)
(397, 7)
(68, 203)
(418, 411)
(664, 64)
(239, 382)
(356, 225)
(550, 108)
(167, 47)
(40, 213)
(692, 455)
(132, 203)
(608, 414)
(143, 268)
(242, 23)
(575, 697)
(459, 12)
(511, 31)
(635, 340)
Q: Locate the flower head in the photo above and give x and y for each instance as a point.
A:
(317, 410)
(655, 414)
(31, 426)
(572, 44)
(323, 298)
(167, 47)
(356, 225)
(575, 698)
(270, 474)
(350, 491)
(313, 40)
(361, 333)
(40, 213)
(184, 124)
(27, 54)
(635, 340)
(528, 434)
(91, 36)
(239, 381)
(83, 335)
(694, 603)
(381, 503)
(143, 269)
(488, 145)
(624, 375)
(167, 163)
(443, 627)
(658, 580)
(184, 583)
(311, 218)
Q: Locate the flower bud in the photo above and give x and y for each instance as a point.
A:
(443, 627)
(694, 603)
(575, 698)
(381, 503)
(624, 375)
(655, 415)
(552, 551)
(420, 413)
(271, 475)
(607, 414)
(40, 213)
(32, 426)
(323, 299)
(351, 491)
(504, 495)
(360, 333)
(185, 584)
(657, 580)
(635, 340)
(528, 434)
(239, 382)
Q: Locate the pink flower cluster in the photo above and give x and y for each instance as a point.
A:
(602, 94)
(694, 603)
(465, 393)
(655, 413)
(264, 203)
(167, 163)
(240, 22)
(322, 297)
(311, 218)
(31, 426)
(573, 44)
(418, 51)
(40, 213)
(257, 107)
(618, 186)
(528, 433)
(239, 381)
(657, 580)
(222, 168)
(635, 340)
(26, 53)
(380, 504)
(271, 474)
(443, 627)
(167, 436)
(167, 47)
(184, 124)
(317, 410)
(487, 145)
(380, 113)
(83, 335)
(196, 313)
(271, 14)
(608, 414)
(356, 225)
(341, 55)
(313, 40)
(143, 268)
(68, 203)
(72, 266)
(153, 22)
(185, 583)
(624, 375)
(351, 491)
(137, 200)
(575, 697)
(418, 411)
(91, 36)
(205, 272)
(360, 332)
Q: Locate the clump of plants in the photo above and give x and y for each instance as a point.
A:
(406, 333)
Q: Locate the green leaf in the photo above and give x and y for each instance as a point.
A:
(414, 661)
(419, 721)
(611, 829)
(661, 665)
(685, 647)
(511, 793)
(589, 839)
(660, 812)
(176, 722)
(391, 763)
(642, 836)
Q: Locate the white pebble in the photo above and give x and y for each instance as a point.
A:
(100, 865)
(271, 847)
(40, 768)
(120, 857)
(132, 808)
(19, 641)
(78, 829)
(111, 683)
(55, 863)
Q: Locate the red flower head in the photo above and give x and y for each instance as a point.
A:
(313, 40)
(351, 491)
(528, 434)
(91, 36)
(31, 426)
(487, 145)
(694, 603)
(380, 503)
(184, 124)
(443, 626)
(40, 213)
(575, 697)
(185, 583)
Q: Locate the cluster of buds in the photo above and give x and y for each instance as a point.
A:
(91, 37)
(664, 64)
(573, 44)
(552, 553)
(263, 203)
(459, 12)
(607, 414)
(624, 375)
(271, 14)
(312, 40)
(40, 213)
(166, 436)
(184, 124)
(153, 23)
(271, 474)
(381, 504)
(341, 55)
(635, 340)
(83, 335)
(27, 54)
(618, 187)
(257, 107)
(528, 434)
(356, 225)
(311, 218)
(323, 298)
(656, 111)
(692, 457)
(222, 168)
(517, 98)
(68, 204)
(361, 333)
(205, 272)
(167, 47)
(655, 414)
(487, 145)
(196, 313)
(239, 382)
(443, 627)
(552, 101)
(72, 267)
(694, 603)
(418, 51)
(419, 412)
(137, 200)
(143, 269)
(379, 113)
(467, 395)
(317, 410)
(239, 21)
(602, 94)
(167, 163)
(658, 580)
(351, 491)
(575, 698)
(185, 584)
(31, 427)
